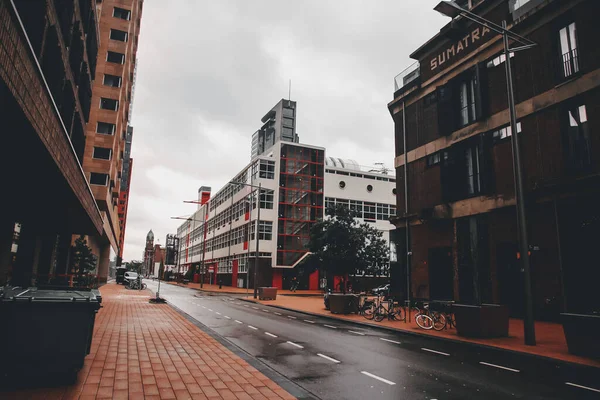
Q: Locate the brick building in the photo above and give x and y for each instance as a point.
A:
(106, 133)
(47, 65)
(460, 175)
(124, 191)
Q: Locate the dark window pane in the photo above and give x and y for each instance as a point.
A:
(102, 153)
(112, 80)
(116, 34)
(114, 57)
(105, 128)
(109, 104)
(121, 13)
(98, 179)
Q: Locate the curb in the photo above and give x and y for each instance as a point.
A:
(444, 339)
(242, 293)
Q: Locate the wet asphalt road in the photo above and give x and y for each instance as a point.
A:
(339, 360)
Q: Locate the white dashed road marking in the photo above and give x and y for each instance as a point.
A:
(435, 351)
(499, 366)
(276, 313)
(239, 322)
(289, 316)
(329, 326)
(256, 308)
(270, 334)
(309, 321)
(357, 333)
(328, 358)
(377, 377)
(582, 387)
(209, 309)
(218, 313)
(251, 327)
(265, 310)
(227, 317)
(295, 344)
(388, 340)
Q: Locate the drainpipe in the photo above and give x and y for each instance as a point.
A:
(408, 249)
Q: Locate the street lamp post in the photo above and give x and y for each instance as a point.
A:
(259, 187)
(452, 10)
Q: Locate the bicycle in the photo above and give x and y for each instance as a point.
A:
(367, 309)
(136, 284)
(444, 317)
(392, 312)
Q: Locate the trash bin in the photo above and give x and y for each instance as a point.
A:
(46, 334)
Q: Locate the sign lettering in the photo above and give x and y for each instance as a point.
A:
(458, 47)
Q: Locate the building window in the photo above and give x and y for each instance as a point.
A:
(114, 57)
(342, 184)
(265, 230)
(370, 211)
(369, 188)
(568, 50)
(98, 179)
(578, 152)
(434, 159)
(267, 169)
(466, 91)
(504, 132)
(122, 13)
(105, 128)
(112, 80)
(109, 104)
(383, 212)
(266, 199)
(494, 62)
(289, 122)
(288, 112)
(466, 169)
(102, 153)
(116, 34)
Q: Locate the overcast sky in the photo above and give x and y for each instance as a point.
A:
(209, 70)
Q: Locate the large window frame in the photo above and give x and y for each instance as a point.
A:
(568, 47)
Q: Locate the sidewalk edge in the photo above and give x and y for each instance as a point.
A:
(286, 384)
(450, 340)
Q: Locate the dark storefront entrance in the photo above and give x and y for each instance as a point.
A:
(441, 274)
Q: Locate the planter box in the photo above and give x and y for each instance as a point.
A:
(267, 293)
(343, 303)
(484, 321)
(582, 333)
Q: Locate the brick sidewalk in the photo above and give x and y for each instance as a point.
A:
(147, 351)
(550, 337)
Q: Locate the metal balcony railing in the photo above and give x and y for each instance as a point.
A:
(570, 63)
(410, 75)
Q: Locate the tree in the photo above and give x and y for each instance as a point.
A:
(135, 266)
(83, 261)
(341, 245)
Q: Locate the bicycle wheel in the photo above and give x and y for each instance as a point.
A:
(424, 321)
(369, 311)
(439, 320)
(144, 286)
(380, 313)
(398, 314)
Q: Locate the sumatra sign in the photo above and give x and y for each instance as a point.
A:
(457, 49)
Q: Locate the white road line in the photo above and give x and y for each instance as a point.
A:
(246, 305)
(251, 327)
(582, 387)
(435, 351)
(377, 377)
(218, 313)
(498, 366)
(239, 322)
(276, 313)
(227, 317)
(270, 334)
(292, 317)
(256, 308)
(295, 344)
(265, 310)
(388, 340)
(209, 309)
(357, 333)
(309, 321)
(203, 307)
(329, 326)
(328, 358)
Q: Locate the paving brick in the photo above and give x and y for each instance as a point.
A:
(156, 354)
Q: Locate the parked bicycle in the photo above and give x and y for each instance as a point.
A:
(393, 311)
(136, 284)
